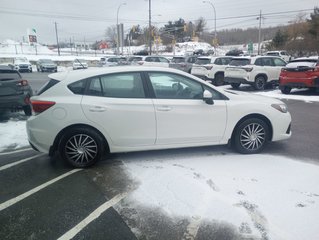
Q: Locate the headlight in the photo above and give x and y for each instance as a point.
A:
(280, 107)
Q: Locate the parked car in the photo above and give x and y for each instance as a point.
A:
(211, 68)
(46, 65)
(15, 92)
(113, 61)
(300, 73)
(79, 64)
(282, 54)
(155, 61)
(183, 63)
(217, 72)
(134, 60)
(136, 108)
(256, 71)
(234, 52)
(21, 64)
(201, 66)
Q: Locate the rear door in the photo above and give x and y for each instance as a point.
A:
(118, 103)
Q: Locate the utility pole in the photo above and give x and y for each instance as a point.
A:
(57, 38)
(149, 26)
(71, 46)
(259, 33)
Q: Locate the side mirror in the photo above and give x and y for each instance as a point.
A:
(208, 97)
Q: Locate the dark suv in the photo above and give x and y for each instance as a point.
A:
(15, 92)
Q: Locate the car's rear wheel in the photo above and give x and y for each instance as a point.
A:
(219, 79)
(81, 147)
(251, 136)
(260, 83)
(235, 85)
(286, 90)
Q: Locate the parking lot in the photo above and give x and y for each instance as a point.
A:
(193, 193)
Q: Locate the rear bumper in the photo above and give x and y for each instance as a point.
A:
(298, 83)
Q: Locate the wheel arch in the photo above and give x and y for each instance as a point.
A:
(264, 75)
(57, 139)
(219, 72)
(254, 115)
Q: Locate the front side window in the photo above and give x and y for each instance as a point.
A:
(173, 86)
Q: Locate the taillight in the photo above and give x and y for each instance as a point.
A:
(41, 106)
(23, 83)
(140, 63)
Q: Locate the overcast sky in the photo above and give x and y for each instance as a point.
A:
(87, 20)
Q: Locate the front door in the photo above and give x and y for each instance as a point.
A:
(182, 115)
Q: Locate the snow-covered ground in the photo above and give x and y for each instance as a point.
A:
(263, 196)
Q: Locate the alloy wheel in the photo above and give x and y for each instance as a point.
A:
(81, 149)
(253, 136)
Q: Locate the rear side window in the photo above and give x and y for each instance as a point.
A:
(78, 87)
(178, 60)
(47, 86)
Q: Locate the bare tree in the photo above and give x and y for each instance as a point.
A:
(110, 34)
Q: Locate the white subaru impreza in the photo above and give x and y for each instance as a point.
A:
(84, 114)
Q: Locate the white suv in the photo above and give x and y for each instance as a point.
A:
(283, 54)
(256, 71)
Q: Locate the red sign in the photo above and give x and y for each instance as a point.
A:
(32, 38)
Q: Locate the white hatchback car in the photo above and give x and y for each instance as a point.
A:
(257, 71)
(127, 109)
(154, 61)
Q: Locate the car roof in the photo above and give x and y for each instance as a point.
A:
(96, 71)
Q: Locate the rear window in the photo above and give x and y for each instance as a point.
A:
(239, 62)
(178, 60)
(202, 61)
(273, 54)
(47, 86)
(6, 75)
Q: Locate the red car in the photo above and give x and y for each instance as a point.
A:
(300, 73)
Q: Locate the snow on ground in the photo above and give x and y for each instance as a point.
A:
(13, 134)
(265, 196)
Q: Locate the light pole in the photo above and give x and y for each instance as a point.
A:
(149, 27)
(215, 34)
(117, 28)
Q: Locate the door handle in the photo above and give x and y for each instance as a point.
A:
(164, 109)
(97, 109)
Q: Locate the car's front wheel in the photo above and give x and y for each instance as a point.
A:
(219, 79)
(81, 147)
(251, 136)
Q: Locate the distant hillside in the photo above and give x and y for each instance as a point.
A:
(241, 36)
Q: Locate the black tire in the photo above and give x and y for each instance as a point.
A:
(27, 109)
(219, 79)
(81, 147)
(286, 90)
(260, 83)
(251, 136)
(235, 85)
